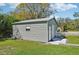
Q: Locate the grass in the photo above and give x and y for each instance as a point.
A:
(24, 47)
(73, 39)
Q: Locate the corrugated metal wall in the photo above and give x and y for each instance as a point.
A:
(38, 32)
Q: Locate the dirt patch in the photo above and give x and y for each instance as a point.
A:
(7, 50)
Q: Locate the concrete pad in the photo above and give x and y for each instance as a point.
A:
(63, 41)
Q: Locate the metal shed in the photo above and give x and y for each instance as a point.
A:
(43, 29)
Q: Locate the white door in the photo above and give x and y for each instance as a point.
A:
(50, 33)
(53, 31)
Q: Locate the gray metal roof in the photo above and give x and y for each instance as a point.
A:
(34, 20)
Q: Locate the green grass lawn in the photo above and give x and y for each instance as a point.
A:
(23, 47)
(73, 39)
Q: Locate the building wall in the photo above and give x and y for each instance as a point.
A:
(16, 33)
(38, 32)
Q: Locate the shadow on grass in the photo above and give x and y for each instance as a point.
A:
(4, 39)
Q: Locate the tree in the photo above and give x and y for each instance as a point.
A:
(32, 10)
(64, 23)
(6, 25)
(76, 14)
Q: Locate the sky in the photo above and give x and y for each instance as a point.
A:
(67, 10)
(7, 7)
(63, 9)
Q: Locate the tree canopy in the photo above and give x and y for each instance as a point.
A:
(32, 10)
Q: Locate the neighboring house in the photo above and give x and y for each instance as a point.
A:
(43, 29)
